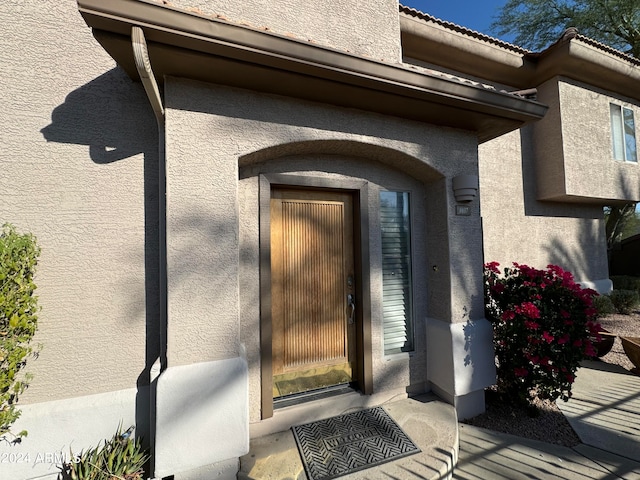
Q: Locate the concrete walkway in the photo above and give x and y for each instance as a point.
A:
(604, 412)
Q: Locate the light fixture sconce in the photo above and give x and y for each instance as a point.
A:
(465, 188)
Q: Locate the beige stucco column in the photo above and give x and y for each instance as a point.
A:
(203, 393)
(460, 348)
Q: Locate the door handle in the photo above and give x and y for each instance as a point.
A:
(351, 304)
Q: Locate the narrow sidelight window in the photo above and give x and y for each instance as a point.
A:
(623, 133)
(396, 272)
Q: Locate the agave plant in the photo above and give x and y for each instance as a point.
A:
(120, 458)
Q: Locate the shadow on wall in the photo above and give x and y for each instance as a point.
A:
(470, 330)
(586, 258)
(586, 255)
(467, 270)
(293, 116)
(112, 117)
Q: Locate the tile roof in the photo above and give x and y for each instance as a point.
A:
(460, 29)
(570, 33)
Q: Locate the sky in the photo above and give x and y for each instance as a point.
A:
(476, 15)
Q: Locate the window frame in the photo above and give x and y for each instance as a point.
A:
(407, 297)
(624, 142)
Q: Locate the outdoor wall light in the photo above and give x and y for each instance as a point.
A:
(465, 188)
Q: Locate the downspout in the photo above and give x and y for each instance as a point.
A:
(143, 65)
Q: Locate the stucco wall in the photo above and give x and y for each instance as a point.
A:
(368, 28)
(574, 147)
(212, 130)
(78, 169)
(519, 228)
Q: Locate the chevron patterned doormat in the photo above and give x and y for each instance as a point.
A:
(348, 443)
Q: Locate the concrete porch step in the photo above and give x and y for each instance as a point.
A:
(431, 424)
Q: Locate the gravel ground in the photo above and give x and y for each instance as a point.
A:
(550, 425)
(623, 326)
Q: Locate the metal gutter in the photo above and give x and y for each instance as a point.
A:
(190, 45)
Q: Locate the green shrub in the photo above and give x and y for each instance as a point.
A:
(626, 282)
(603, 305)
(18, 319)
(122, 458)
(544, 326)
(625, 300)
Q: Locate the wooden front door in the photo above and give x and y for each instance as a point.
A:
(313, 290)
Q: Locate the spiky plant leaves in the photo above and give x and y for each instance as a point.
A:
(120, 458)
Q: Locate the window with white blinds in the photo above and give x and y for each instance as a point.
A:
(396, 272)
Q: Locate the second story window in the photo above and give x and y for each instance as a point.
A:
(623, 133)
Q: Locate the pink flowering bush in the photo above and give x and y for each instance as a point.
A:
(544, 325)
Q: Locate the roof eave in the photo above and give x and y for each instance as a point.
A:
(189, 45)
(439, 45)
(583, 62)
(574, 56)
